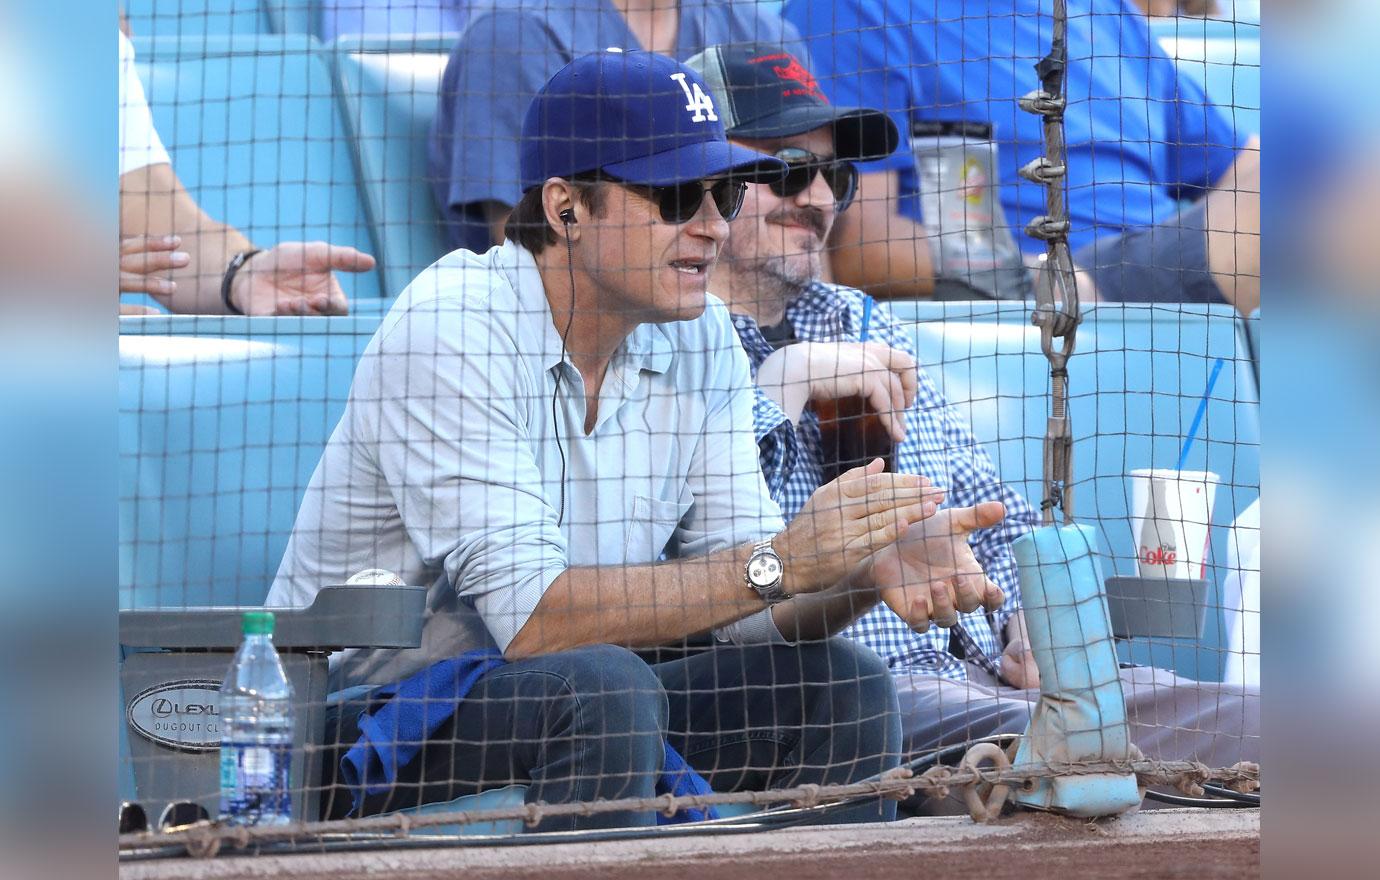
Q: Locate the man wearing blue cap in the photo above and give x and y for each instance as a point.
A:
(557, 435)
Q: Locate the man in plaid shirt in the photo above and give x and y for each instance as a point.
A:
(973, 675)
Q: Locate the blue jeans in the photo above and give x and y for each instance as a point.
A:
(589, 724)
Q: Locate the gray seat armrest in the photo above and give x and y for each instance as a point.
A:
(340, 617)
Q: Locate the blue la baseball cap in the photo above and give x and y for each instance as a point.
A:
(637, 116)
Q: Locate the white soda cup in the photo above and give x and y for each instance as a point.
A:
(1170, 515)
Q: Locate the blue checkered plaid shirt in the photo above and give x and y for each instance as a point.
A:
(939, 444)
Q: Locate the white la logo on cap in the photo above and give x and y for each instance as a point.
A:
(697, 102)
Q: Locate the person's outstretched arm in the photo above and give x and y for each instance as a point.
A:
(174, 251)
(1233, 229)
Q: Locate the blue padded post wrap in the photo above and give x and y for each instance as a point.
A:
(1081, 714)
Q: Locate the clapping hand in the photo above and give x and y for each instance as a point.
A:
(930, 575)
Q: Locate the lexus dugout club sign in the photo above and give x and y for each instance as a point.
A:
(178, 714)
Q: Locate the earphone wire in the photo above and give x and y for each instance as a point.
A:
(560, 368)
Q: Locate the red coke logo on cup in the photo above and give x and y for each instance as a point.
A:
(1165, 555)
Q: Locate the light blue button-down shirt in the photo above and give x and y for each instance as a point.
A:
(446, 465)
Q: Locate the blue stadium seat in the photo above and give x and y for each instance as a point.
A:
(1136, 379)
(196, 18)
(254, 132)
(1223, 57)
(389, 88)
(222, 421)
(291, 16)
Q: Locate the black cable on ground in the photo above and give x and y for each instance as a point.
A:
(1223, 799)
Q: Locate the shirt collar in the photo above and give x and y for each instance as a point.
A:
(818, 314)
(647, 347)
(538, 329)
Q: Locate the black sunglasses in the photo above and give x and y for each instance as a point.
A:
(840, 174)
(680, 202)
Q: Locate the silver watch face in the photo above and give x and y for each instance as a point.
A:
(764, 569)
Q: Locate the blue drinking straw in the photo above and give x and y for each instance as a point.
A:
(1198, 416)
(866, 318)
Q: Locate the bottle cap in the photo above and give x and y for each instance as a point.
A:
(258, 623)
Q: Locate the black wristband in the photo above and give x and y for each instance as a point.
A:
(228, 278)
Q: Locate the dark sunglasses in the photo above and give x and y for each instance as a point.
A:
(840, 175)
(680, 202)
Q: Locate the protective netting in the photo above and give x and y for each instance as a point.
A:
(512, 506)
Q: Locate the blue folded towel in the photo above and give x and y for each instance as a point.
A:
(392, 734)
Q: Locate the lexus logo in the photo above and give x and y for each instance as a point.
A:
(182, 714)
(163, 707)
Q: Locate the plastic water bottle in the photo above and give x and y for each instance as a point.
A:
(256, 734)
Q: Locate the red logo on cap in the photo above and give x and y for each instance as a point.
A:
(793, 72)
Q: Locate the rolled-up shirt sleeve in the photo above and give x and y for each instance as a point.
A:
(1203, 140)
(732, 504)
(473, 507)
(778, 448)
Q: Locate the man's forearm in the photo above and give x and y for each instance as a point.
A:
(836, 531)
(496, 216)
(820, 615)
(211, 246)
(153, 201)
(638, 605)
(790, 392)
(1232, 218)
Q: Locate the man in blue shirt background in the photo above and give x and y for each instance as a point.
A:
(1143, 140)
(509, 49)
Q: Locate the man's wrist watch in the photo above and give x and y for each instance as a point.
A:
(764, 573)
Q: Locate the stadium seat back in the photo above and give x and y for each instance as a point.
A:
(222, 421)
(254, 132)
(389, 89)
(1224, 58)
(197, 18)
(1136, 380)
(292, 16)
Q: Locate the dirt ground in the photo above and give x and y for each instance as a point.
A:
(1195, 859)
(1188, 844)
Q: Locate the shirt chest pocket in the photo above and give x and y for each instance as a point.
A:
(651, 526)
